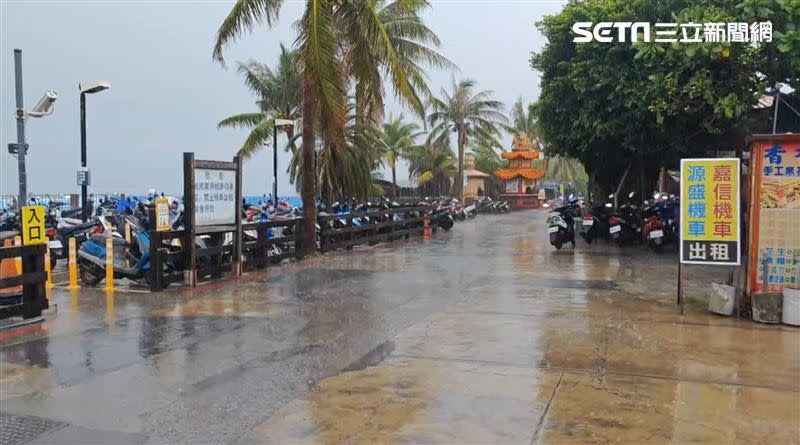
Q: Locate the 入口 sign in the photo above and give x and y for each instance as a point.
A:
(710, 212)
(215, 197)
(33, 231)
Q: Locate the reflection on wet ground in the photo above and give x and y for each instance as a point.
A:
(480, 335)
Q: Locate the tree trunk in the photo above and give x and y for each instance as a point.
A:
(394, 181)
(462, 142)
(309, 177)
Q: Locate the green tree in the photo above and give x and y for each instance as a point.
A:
(279, 97)
(463, 111)
(616, 106)
(568, 171)
(432, 166)
(337, 41)
(395, 140)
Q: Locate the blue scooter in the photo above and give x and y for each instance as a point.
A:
(130, 261)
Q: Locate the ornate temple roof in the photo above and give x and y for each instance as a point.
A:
(528, 173)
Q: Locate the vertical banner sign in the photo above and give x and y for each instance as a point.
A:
(215, 197)
(775, 210)
(710, 225)
(162, 215)
(33, 231)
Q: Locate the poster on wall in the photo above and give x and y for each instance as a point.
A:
(512, 185)
(710, 213)
(215, 197)
(775, 252)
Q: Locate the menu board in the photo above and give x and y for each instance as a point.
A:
(215, 197)
(775, 255)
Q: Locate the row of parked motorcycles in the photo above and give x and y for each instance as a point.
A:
(131, 250)
(656, 221)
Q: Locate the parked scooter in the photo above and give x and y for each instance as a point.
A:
(561, 223)
(594, 223)
(130, 261)
(659, 221)
(624, 224)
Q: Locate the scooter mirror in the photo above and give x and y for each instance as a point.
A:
(609, 205)
(631, 194)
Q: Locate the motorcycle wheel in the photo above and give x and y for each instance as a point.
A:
(90, 274)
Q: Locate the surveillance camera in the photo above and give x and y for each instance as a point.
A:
(44, 107)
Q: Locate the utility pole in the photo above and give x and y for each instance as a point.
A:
(21, 148)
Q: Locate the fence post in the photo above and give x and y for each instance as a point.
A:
(323, 236)
(110, 263)
(47, 267)
(18, 260)
(34, 298)
(73, 264)
(156, 265)
(298, 243)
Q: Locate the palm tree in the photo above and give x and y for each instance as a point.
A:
(485, 150)
(523, 122)
(568, 171)
(395, 141)
(279, 96)
(337, 40)
(465, 111)
(433, 166)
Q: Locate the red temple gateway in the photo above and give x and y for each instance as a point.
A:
(521, 177)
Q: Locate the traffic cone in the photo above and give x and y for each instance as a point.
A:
(8, 269)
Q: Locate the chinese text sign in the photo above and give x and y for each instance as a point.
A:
(775, 252)
(214, 197)
(162, 215)
(710, 211)
(33, 231)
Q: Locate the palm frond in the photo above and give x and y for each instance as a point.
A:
(243, 16)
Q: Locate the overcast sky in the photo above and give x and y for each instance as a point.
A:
(167, 95)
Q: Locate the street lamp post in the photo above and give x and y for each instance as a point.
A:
(83, 175)
(44, 107)
(275, 124)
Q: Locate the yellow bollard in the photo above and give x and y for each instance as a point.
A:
(109, 263)
(47, 267)
(18, 260)
(73, 265)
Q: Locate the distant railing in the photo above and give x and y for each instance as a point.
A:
(60, 202)
(340, 231)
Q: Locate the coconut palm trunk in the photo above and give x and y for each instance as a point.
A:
(308, 187)
(394, 181)
(462, 144)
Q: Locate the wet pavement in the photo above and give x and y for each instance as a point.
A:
(484, 334)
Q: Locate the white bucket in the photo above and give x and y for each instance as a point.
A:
(791, 306)
(721, 299)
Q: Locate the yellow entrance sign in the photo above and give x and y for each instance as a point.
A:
(710, 211)
(33, 231)
(162, 214)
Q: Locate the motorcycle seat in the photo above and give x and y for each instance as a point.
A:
(101, 239)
